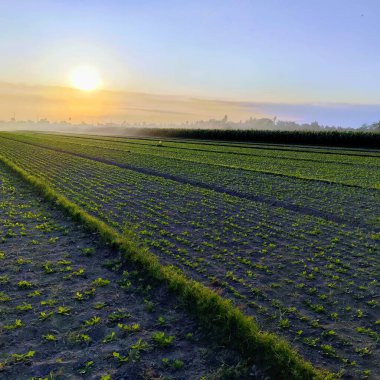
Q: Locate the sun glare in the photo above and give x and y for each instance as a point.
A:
(85, 78)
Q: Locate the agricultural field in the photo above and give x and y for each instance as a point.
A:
(289, 234)
(69, 308)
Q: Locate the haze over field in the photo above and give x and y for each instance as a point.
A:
(172, 62)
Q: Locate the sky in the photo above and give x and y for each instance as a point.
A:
(294, 59)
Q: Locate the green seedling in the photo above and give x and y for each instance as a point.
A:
(161, 339)
(63, 262)
(110, 337)
(176, 363)
(4, 297)
(328, 350)
(24, 357)
(63, 310)
(118, 315)
(24, 307)
(79, 296)
(140, 345)
(25, 285)
(161, 320)
(35, 293)
(100, 282)
(47, 267)
(90, 292)
(120, 358)
(48, 303)
(79, 272)
(284, 323)
(43, 316)
(49, 337)
(4, 279)
(364, 351)
(16, 325)
(129, 328)
(92, 321)
(99, 305)
(86, 367)
(22, 261)
(88, 251)
(79, 338)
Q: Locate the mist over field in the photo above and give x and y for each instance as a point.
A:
(28, 105)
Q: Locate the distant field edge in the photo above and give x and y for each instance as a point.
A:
(218, 315)
(316, 138)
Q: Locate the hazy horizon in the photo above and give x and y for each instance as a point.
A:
(171, 62)
(104, 106)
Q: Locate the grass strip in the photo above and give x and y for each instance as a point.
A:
(216, 314)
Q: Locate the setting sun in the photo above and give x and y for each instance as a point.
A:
(85, 78)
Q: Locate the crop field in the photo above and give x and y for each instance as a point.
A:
(289, 234)
(70, 309)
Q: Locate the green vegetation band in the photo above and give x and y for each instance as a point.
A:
(322, 138)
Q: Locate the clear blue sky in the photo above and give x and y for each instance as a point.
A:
(293, 51)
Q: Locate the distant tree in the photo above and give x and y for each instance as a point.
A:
(374, 127)
(314, 126)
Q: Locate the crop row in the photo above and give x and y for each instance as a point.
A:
(256, 254)
(364, 174)
(356, 205)
(354, 157)
(247, 147)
